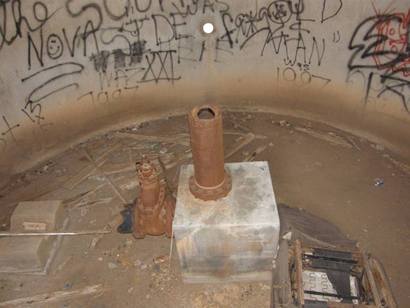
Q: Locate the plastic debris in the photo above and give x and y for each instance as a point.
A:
(112, 265)
(378, 182)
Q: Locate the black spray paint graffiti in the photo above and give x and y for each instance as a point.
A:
(381, 56)
(122, 58)
(156, 66)
(8, 134)
(14, 23)
(51, 80)
(285, 29)
(143, 41)
(301, 77)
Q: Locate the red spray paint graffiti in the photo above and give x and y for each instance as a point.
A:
(397, 42)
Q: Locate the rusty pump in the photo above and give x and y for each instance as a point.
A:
(155, 206)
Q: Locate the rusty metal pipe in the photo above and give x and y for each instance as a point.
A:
(210, 181)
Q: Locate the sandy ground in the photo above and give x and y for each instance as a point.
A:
(327, 172)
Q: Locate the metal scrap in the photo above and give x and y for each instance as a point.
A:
(22, 234)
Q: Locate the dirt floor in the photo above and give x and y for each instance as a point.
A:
(359, 186)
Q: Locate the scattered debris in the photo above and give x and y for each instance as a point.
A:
(22, 234)
(112, 265)
(284, 123)
(86, 204)
(72, 202)
(63, 264)
(81, 176)
(68, 285)
(137, 263)
(48, 298)
(127, 168)
(254, 154)
(179, 160)
(97, 178)
(114, 188)
(182, 139)
(378, 182)
(378, 147)
(130, 186)
(128, 243)
(287, 236)
(172, 154)
(60, 172)
(227, 296)
(247, 139)
(402, 166)
(160, 259)
(331, 137)
(94, 242)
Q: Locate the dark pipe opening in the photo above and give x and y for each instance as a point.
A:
(206, 113)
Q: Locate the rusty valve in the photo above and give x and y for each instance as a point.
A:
(155, 207)
(210, 181)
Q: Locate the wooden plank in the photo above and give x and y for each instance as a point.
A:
(81, 176)
(382, 282)
(370, 278)
(344, 305)
(182, 139)
(299, 269)
(247, 139)
(53, 297)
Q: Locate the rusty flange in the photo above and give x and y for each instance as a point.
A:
(155, 207)
(210, 181)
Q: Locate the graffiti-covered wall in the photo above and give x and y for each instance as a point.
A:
(72, 67)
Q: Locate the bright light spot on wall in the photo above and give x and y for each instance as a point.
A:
(208, 28)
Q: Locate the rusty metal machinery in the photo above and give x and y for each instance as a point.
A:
(211, 181)
(155, 207)
(334, 278)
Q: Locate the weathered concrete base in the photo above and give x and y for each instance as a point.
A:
(33, 254)
(41, 216)
(231, 239)
(28, 254)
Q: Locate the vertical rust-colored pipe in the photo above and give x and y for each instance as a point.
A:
(210, 181)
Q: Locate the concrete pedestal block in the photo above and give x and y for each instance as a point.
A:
(32, 254)
(24, 254)
(41, 216)
(231, 239)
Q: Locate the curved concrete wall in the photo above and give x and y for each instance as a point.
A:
(70, 68)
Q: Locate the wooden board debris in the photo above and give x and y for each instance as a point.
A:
(53, 297)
